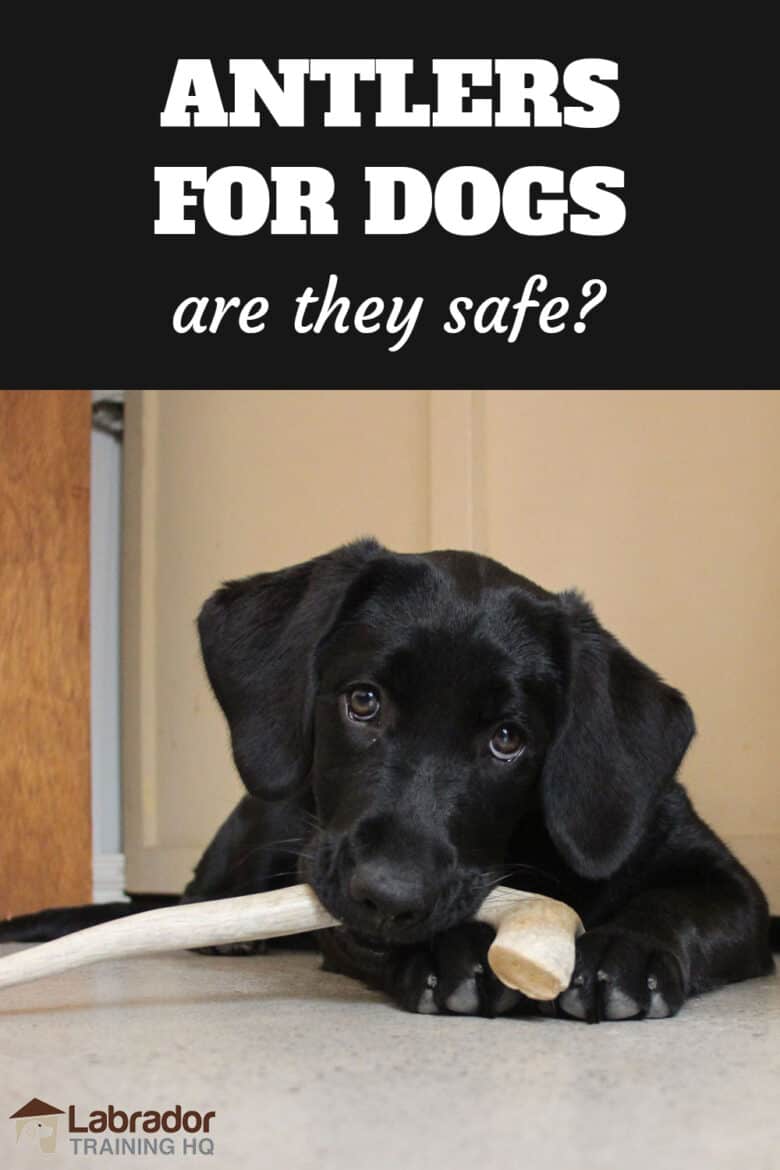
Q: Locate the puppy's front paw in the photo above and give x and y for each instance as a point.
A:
(450, 975)
(619, 975)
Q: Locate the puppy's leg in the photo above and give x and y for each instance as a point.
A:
(669, 944)
(256, 849)
(450, 974)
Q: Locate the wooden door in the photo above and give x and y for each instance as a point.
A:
(45, 831)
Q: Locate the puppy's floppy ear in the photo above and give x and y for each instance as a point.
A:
(622, 733)
(258, 638)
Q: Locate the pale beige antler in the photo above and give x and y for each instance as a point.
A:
(533, 950)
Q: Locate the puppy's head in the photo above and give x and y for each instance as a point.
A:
(429, 702)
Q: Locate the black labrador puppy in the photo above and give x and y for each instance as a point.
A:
(414, 729)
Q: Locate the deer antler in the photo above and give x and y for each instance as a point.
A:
(533, 950)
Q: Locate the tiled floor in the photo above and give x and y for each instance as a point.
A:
(305, 1069)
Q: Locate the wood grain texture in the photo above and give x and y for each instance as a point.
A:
(45, 830)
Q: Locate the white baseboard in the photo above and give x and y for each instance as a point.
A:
(108, 877)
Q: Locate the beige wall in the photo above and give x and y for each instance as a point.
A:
(219, 485)
(662, 507)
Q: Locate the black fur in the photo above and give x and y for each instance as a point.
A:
(403, 822)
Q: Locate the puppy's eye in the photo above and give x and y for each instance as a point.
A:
(363, 703)
(507, 742)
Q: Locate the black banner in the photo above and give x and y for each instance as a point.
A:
(576, 206)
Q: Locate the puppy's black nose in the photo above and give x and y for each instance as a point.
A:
(395, 897)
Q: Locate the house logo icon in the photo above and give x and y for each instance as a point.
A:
(36, 1122)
